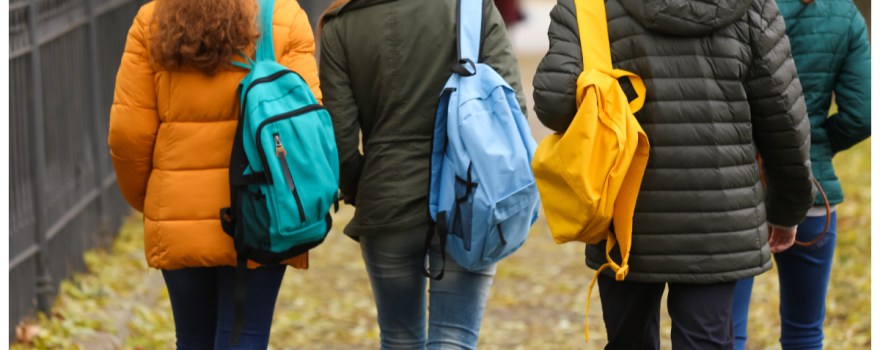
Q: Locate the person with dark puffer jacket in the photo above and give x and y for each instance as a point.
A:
(721, 89)
(829, 42)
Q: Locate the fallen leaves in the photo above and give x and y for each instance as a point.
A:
(26, 332)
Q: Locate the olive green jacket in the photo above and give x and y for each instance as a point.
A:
(383, 64)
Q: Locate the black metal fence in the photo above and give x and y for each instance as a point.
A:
(63, 57)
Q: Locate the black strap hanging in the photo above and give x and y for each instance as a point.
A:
(440, 229)
(240, 297)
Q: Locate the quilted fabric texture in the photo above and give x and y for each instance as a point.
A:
(829, 42)
(171, 136)
(721, 87)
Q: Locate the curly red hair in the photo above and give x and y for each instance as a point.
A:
(202, 34)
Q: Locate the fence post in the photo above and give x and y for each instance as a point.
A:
(96, 111)
(38, 167)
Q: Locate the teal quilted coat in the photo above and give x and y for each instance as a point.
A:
(829, 42)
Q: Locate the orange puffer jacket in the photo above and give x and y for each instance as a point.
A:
(171, 136)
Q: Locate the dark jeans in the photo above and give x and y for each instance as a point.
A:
(203, 306)
(700, 314)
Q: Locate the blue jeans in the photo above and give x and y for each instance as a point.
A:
(804, 273)
(203, 306)
(395, 263)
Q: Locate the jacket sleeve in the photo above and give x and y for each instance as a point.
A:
(497, 52)
(341, 104)
(852, 89)
(299, 53)
(556, 79)
(134, 120)
(781, 128)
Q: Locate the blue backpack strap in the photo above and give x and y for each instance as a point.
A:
(265, 46)
(469, 33)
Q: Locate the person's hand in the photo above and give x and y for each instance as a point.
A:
(781, 238)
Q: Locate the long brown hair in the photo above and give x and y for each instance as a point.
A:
(202, 34)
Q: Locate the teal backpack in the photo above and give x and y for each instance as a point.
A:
(284, 168)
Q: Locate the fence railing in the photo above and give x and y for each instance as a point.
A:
(62, 64)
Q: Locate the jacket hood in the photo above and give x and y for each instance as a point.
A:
(686, 17)
(340, 6)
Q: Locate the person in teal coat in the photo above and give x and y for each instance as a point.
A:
(829, 44)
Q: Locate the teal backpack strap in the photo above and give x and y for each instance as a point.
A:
(265, 51)
(265, 46)
(470, 18)
(248, 65)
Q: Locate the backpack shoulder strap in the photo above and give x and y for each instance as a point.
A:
(593, 31)
(468, 34)
(265, 46)
(596, 49)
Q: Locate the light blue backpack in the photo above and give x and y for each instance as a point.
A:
(284, 168)
(483, 197)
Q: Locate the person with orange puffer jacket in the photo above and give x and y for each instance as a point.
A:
(172, 124)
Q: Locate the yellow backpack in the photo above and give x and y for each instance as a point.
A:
(590, 175)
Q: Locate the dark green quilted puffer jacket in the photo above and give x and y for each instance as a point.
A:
(829, 42)
(721, 86)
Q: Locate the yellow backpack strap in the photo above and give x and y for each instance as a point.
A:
(593, 24)
(596, 52)
(620, 272)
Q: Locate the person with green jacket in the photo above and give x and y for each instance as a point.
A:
(829, 42)
(382, 67)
